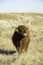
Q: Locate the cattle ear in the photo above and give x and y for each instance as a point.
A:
(27, 28)
(25, 34)
(16, 29)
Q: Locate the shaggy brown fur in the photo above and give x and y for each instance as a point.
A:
(21, 38)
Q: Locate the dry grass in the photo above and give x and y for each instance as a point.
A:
(34, 55)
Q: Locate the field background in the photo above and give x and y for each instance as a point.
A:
(8, 22)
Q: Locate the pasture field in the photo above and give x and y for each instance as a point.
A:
(34, 54)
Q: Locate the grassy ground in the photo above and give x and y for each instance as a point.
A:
(34, 55)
